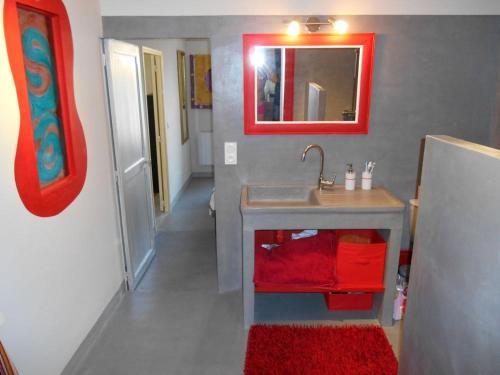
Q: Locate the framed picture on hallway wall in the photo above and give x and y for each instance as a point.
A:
(200, 70)
(183, 98)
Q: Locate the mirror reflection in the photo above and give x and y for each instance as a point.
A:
(307, 84)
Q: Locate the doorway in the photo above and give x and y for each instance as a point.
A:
(153, 78)
(133, 182)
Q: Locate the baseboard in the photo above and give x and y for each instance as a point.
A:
(95, 332)
(179, 193)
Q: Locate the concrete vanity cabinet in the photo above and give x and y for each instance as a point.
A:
(293, 207)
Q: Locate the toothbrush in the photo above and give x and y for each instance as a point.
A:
(369, 166)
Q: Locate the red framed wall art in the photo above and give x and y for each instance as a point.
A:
(51, 156)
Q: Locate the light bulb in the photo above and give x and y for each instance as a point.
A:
(340, 26)
(257, 58)
(293, 28)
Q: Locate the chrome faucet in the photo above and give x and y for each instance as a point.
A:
(322, 183)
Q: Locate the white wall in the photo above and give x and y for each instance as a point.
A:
(57, 274)
(295, 7)
(200, 120)
(179, 158)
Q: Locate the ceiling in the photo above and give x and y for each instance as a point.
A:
(297, 7)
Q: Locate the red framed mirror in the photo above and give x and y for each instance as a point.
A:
(307, 84)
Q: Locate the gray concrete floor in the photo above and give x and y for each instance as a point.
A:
(176, 323)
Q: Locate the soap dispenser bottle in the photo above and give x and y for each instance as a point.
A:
(350, 178)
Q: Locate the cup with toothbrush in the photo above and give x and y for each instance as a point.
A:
(367, 175)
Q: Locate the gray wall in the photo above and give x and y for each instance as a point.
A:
(495, 129)
(433, 75)
(452, 324)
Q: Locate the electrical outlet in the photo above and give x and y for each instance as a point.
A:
(230, 153)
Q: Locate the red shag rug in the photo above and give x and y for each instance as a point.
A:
(319, 350)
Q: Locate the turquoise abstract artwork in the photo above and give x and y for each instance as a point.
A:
(41, 77)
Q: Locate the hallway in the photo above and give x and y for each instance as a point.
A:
(176, 323)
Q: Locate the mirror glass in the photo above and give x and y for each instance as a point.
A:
(307, 84)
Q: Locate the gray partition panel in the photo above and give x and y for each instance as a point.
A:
(453, 318)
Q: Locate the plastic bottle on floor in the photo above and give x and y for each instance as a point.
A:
(399, 305)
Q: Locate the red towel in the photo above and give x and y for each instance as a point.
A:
(307, 261)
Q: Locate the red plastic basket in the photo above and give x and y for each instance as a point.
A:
(348, 301)
(360, 265)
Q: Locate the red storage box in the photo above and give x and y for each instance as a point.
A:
(349, 301)
(360, 259)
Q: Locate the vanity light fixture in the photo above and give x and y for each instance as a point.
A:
(313, 24)
(293, 28)
(340, 26)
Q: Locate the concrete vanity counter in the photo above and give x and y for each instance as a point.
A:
(273, 199)
(306, 207)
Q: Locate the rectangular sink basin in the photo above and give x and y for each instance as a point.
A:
(286, 198)
(276, 195)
